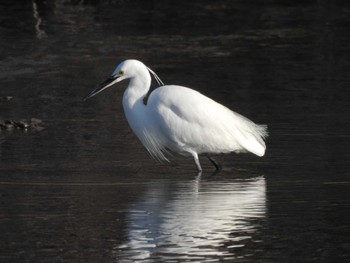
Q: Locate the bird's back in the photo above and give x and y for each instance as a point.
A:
(192, 121)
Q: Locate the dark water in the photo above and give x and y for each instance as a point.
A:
(84, 189)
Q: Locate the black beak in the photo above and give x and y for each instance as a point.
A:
(102, 86)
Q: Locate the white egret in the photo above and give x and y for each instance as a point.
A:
(181, 120)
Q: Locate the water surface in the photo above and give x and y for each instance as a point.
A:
(84, 188)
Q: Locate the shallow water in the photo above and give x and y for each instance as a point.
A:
(84, 189)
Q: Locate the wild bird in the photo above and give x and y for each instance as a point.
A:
(180, 119)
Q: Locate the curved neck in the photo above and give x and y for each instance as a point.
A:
(137, 89)
(134, 109)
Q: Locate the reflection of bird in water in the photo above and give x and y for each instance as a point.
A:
(180, 119)
(172, 220)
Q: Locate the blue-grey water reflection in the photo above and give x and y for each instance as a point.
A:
(195, 219)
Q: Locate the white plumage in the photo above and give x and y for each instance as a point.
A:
(180, 119)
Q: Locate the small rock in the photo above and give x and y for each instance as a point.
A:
(35, 121)
(21, 125)
(8, 124)
(6, 98)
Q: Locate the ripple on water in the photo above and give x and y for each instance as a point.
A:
(195, 220)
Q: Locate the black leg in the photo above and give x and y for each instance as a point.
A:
(215, 163)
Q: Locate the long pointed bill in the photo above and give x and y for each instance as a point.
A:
(104, 85)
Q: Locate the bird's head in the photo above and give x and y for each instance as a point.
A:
(126, 70)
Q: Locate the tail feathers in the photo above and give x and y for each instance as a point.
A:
(253, 140)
